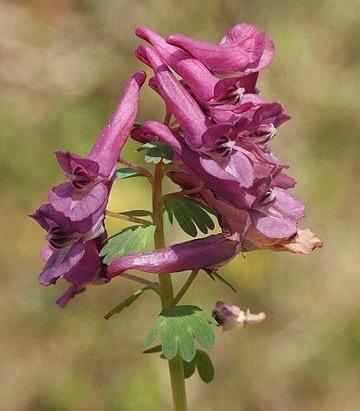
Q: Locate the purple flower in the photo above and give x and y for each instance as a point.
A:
(74, 216)
(71, 246)
(243, 49)
(224, 100)
(88, 269)
(209, 252)
(210, 172)
(229, 150)
(91, 177)
(271, 223)
(197, 76)
(232, 162)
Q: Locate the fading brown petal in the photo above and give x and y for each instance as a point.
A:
(304, 242)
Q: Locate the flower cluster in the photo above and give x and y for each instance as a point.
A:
(220, 128)
(221, 136)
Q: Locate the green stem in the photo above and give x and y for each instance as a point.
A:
(185, 287)
(137, 168)
(176, 367)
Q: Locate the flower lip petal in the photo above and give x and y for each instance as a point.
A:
(78, 206)
(69, 162)
(61, 262)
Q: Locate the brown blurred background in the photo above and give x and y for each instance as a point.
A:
(63, 64)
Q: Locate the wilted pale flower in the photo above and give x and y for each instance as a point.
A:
(232, 316)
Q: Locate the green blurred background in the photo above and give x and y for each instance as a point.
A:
(63, 64)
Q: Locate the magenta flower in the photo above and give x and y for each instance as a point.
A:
(243, 49)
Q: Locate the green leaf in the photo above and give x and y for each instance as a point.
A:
(134, 239)
(213, 274)
(124, 173)
(137, 213)
(178, 328)
(190, 214)
(157, 151)
(203, 364)
(189, 368)
(126, 303)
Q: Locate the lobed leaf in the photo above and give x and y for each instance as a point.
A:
(178, 327)
(134, 239)
(190, 214)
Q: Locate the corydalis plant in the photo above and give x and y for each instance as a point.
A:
(214, 143)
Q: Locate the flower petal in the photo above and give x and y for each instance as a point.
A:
(78, 205)
(304, 242)
(278, 219)
(107, 148)
(179, 102)
(243, 49)
(61, 262)
(70, 161)
(84, 272)
(201, 81)
(208, 252)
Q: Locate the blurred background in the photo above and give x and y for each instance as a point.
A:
(63, 64)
